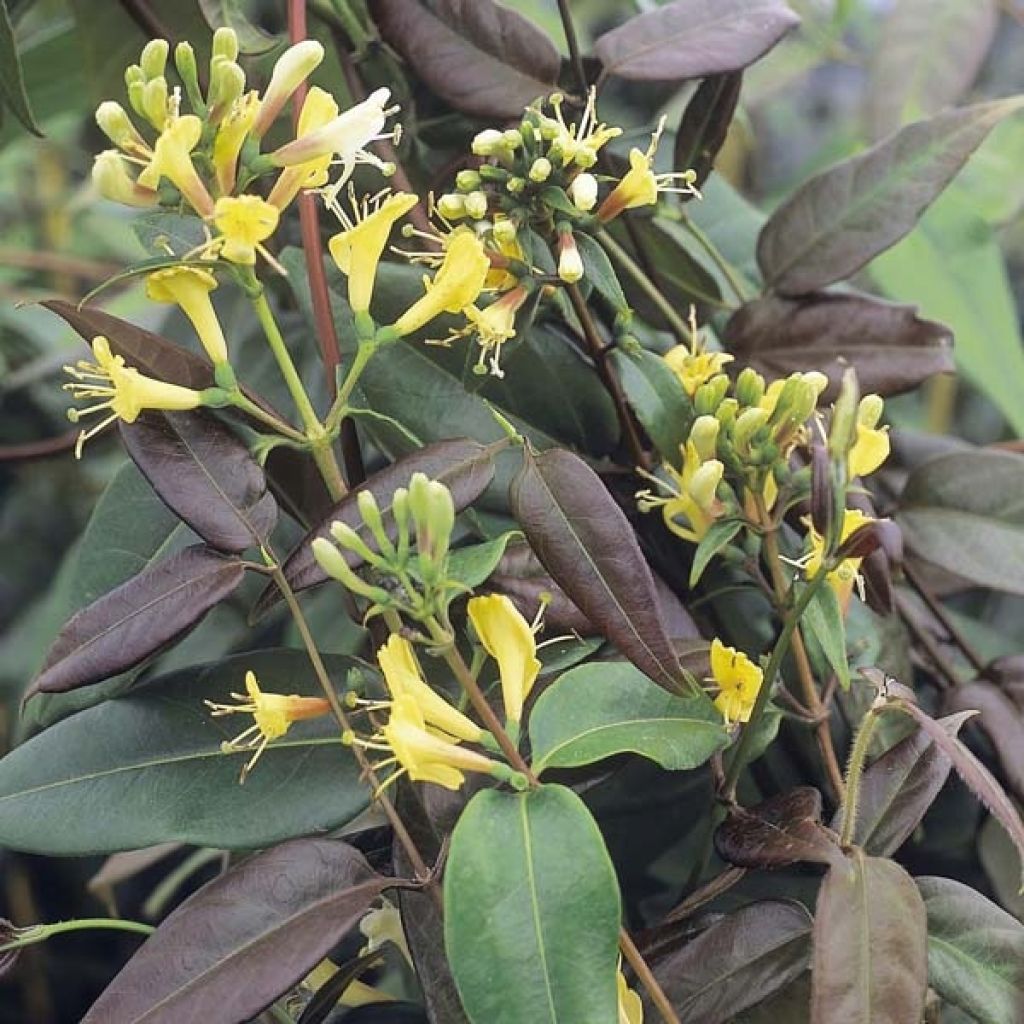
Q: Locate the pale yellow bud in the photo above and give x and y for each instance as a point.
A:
(154, 58)
(583, 192)
(704, 435)
(476, 205)
(452, 206)
(540, 169)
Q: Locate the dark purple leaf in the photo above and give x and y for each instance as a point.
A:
(694, 38)
(899, 787)
(780, 831)
(479, 56)
(1008, 674)
(243, 939)
(705, 123)
(465, 467)
(1003, 724)
(928, 55)
(736, 962)
(977, 777)
(138, 618)
(205, 475)
(870, 959)
(846, 215)
(892, 349)
(583, 539)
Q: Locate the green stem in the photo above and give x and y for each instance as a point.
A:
(42, 932)
(779, 651)
(364, 353)
(727, 269)
(250, 408)
(679, 326)
(854, 773)
(351, 24)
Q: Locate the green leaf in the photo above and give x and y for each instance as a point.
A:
(531, 910)
(869, 945)
(824, 619)
(598, 710)
(718, 536)
(845, 216)
(473, 564)
(12, 80)
(965, 512)
(657, 397)
(952, 265)
(599, 272)
(148, 768)
(229, 14)
(975, 952)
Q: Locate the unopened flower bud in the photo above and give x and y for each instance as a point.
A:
(133, 74)
(115, 123)
(747, 424)
(153, 60)
(350, 539)
(137, 96)
(583, 192)
(512, 139)
(442, 518)
(504, 231)
(185, 62)
(332, 561)
(540, 169)
(708, 397)
(704, 435)
(749, 388)
(515, 185)
(869, 412)
(570, 263)
(727, 410)
(487, 142)
(452, 206)
(400, 512)
(843, 427)
(467, 180)
(112, 181)
(154, 102)
(476, 205)
(225, 43)
(704, 483)
(227, 83)
(292, 68)
(822, 493)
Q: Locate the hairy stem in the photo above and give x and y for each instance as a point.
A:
(41, 932)
(854, 773)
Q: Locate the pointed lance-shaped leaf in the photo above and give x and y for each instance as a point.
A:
(206, 475)
(138, 618)
(1001, 720)
(245, 938)
(705, 124)
(585, 541)
(694, 38)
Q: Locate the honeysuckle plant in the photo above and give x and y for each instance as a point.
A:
(576, 659)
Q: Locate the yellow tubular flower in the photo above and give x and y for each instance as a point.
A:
(492, 327)
(631, 1010)
(456, 285)
(243, 222)
(508, 638)
(695, 367)
(871, 447)
(230, 136)
(844, 576)
(692, 505)
(640, 186)
(739, 682)
(273, 715)
(293, 67)
(172, 160)
(121, 389)
(357, 250)
(346, 136)
(112, 181)
(402, 675)
(318, 109)
(426, 755)
(190, 288)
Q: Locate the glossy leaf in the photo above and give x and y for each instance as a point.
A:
(897, 789)
(12, 79)
(598, 271)
(205, 474)
(595, 711)
(928, 55)
(694, 38)
(1002, 722)
(245, 938)
(952, 264)
(657, 397)
(148, 768)
(964, 512)
(473, 564)
(479, 56)
(736, 962)
(975, 952)
(892, 349)
(824, 621)
(870, 960)
(846, 215)
(585, 541)
(782, 830)
(978, 778)
(721, 532)
(138, 618)
(705, 124)
(463, 466)
(549, 954)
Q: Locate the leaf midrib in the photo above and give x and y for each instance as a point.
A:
(531, 881)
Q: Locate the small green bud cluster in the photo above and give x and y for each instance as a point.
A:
(412, 539)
